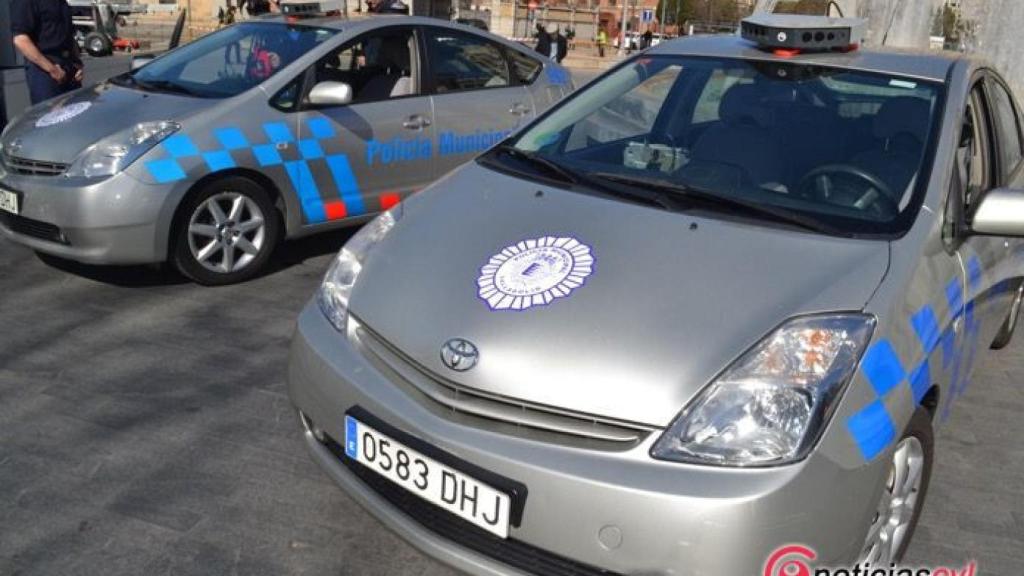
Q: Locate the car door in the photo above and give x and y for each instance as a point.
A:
(364, 156)
(975, 173)
(477, 101)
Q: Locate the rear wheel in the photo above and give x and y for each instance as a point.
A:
(226, 232)
(1010, 324)
(899, 507)
(97, 44)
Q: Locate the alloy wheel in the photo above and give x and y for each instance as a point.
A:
(226, 232)
(895, 513)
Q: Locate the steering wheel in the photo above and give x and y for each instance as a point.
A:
(878, 196)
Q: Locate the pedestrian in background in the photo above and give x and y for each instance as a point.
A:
(602, 42)
(45, 36)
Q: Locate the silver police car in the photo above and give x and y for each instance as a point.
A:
(714, 303)
(267, 129)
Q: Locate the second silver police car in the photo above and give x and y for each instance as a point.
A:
(210, 154)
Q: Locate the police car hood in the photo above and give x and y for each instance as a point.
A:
(59, 130)
(638, 308)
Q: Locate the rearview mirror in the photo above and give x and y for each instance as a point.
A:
(330, 94)
(1000, 213)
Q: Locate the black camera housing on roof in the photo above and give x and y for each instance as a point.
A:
(803, 33)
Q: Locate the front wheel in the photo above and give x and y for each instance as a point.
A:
(899, 507)
(226, 232)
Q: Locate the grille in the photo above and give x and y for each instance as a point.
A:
(33, 228)
(461, 400)
(514, 553)
(27, 167)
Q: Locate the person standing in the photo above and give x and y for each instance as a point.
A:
(543, 45)
(44, 35)
(559, 45)
(602, 42)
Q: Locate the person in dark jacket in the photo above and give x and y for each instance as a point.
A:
(45, 36)
(551, 43)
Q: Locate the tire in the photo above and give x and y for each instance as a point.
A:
(225, 232)
(97, 44)
(921, 433)
(1005, 334)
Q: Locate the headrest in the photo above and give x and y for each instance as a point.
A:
(394, 55)
(903, 115)
(741, 104)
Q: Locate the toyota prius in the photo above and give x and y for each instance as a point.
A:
(272, 128)
(714, 303)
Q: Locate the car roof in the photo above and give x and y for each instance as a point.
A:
(920, 64)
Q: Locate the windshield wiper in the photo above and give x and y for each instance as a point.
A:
(164, 86)
(685, 191)
(537, 160)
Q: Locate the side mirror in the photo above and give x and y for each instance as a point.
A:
(330, 94)
(140, 61)
(1000, 213)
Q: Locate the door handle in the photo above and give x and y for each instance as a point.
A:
(416, 122)
(519, 109)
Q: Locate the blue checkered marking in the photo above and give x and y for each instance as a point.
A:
(557, 75)
(345, 181)
(351, 438)
(278, 132)
(920, 381)
(974, 272)
(882, 367)
(305, 185)
(310, 150)
(955, 296)
(927, 328)
(219, 160)
(180, 146)
(165, 171)
(231, 138)
(872, 429)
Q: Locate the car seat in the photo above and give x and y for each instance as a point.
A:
(394, 78)
(900, 129)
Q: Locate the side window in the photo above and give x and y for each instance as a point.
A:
(1007, 128)
(462, 61)
(378, 66)
(972, 166)
(524, 68)
(717, 85)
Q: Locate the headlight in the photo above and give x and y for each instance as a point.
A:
(344, 271)
(771, 405)
(115, 153)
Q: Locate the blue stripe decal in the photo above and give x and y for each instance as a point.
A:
(948, 347)
(310, 150)
(320, 128)
(219, 160)
(974, 272)
(920, 380)
(164, 171)
(351, 438)
(955, 297)
(180, 146)
(927, 328)
(346, 183)
(267, 155)
(872, 429)
(882, 367)
(278, 132)
(305, 186)
(231, 138)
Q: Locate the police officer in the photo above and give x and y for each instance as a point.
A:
(44, 35)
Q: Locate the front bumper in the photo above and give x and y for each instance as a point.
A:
(614, 510)
(119, 220)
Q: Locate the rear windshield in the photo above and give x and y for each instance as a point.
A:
(844, 147)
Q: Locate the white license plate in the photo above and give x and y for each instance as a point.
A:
(8, 201)
(427, 478)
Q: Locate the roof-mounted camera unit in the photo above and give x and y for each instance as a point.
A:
(311, 9)
(794, 32)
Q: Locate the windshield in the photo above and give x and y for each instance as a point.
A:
(842, 147)
(230, 61)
